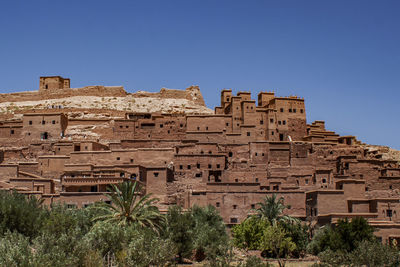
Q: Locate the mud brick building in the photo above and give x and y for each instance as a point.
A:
(185, 154)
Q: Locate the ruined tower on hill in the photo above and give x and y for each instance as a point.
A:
(68, 144)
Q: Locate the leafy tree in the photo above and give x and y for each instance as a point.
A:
(180, 231)
(65, 249)
(271, 209)
(21, 213)
(249, 233)
(345, 236)
(375, 254)
(209, 232)
(277, 243)
(299, 234)
(106, 238)
(15, 250)
(127, 207)
(147, 249)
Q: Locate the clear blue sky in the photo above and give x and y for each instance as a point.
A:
(342, 56)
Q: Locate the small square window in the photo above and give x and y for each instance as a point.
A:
(279, 122)
(290, 110)
(234, 207)
(53, 122)
(294, 110)
(284, 122)
(198, 128)
(180, 167)
(282, 110)
(156, 174)
(301, 111)
(12, 131)
(118, 158)
(271, 120)
(198, 165)
(227, 124)
(209, 166)
(253, 206)
(248, 133)
(161, 125)
(217, 204)
(261, 122)
(30, 122)
(189, 167)
(234, 220)
(218, 166)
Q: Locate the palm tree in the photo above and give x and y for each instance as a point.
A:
(272, 209)
(127, 207)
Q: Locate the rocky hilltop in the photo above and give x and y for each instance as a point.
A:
(94, 99)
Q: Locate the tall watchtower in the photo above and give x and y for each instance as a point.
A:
(47, 83)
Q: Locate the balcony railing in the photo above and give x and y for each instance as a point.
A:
(91, 180)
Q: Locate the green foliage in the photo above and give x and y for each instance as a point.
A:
(225, 259)
(209, 232)
(345, 236)
(20, 213)
(147, 249)
(128, 207)
(254, 261)
(335, 258)
(249, 233)
(375, 254)
(180, 231)
(65, 249)
(15, 250)
(106, 237)
(272, 208)
(276, 242)
(299, 234)
(199, 232)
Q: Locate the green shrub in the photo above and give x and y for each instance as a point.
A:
(66, 249)
(374, 254)
(253, 261)
(209, 232)
(20, 213)
(248, 234)
(180, 231)
(147, 249)
(15, 250)
(344, 236)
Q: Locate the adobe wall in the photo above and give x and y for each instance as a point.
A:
(101, 91)
(191, 93)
